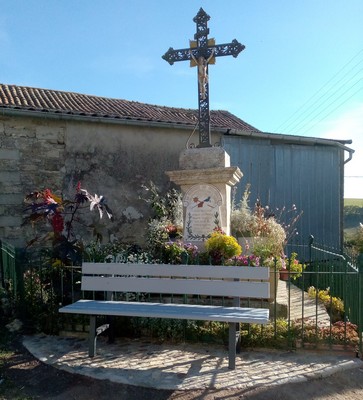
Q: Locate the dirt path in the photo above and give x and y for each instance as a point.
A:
(24, 377)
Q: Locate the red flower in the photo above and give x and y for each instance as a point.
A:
(58, 223)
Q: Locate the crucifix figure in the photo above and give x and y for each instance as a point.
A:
(201, 53)
(202, 72)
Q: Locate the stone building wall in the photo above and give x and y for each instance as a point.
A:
(31, 153)
(112, 159)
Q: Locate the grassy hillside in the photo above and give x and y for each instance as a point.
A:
(353, 202)
(353, 215)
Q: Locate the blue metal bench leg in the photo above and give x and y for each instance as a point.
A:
(234, 339)
(232, 346)
(111, 329)
(92, 336)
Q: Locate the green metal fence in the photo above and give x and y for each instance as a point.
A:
(8, 271)
(340, 274)
(344, 280)
(333, 277)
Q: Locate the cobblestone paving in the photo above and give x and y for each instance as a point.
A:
(167, 366)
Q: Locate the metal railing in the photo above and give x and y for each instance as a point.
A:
(335, 280)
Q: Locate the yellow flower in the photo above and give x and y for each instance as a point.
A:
(222, 247)
(57, 263)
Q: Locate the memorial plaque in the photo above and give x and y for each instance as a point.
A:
(202, 212)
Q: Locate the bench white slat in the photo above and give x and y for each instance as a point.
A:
(193, 271)
(174, 311)
(177, 286)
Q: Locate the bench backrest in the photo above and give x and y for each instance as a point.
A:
(177, 279)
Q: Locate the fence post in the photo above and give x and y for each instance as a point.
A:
(2, 277)
(8, 264)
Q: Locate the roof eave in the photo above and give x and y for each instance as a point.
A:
(301, 140)
(289, 138)
(63, 115)
(91, 118)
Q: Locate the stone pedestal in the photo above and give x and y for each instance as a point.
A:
(205, 178)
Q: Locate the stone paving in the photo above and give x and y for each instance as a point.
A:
(184, 366)
(299, 306)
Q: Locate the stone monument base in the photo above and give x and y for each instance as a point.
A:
(205, 178)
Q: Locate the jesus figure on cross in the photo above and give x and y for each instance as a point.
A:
(202, 64)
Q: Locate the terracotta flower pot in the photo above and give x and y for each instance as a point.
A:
(284, 275)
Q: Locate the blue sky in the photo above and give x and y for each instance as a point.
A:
(301, 72)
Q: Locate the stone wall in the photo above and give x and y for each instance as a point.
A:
(23, 142)
(112, 159)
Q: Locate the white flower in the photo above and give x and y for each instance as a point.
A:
(99, 203)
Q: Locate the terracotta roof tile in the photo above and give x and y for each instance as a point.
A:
(43, 100)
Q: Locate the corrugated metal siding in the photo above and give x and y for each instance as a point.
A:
(283, 174)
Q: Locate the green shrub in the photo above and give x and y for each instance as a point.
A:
(167, 221)
(40, 302)
(281, 336)
(178, 330)
(334, 305)
(115, 252)
(358, 239)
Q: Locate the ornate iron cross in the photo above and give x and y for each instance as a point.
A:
(201, 53)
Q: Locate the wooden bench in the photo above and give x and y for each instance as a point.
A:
(232, 282)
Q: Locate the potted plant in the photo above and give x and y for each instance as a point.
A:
(177, 252)
(244, 261)
(260, 231)
(290, 267)
(220, 247)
